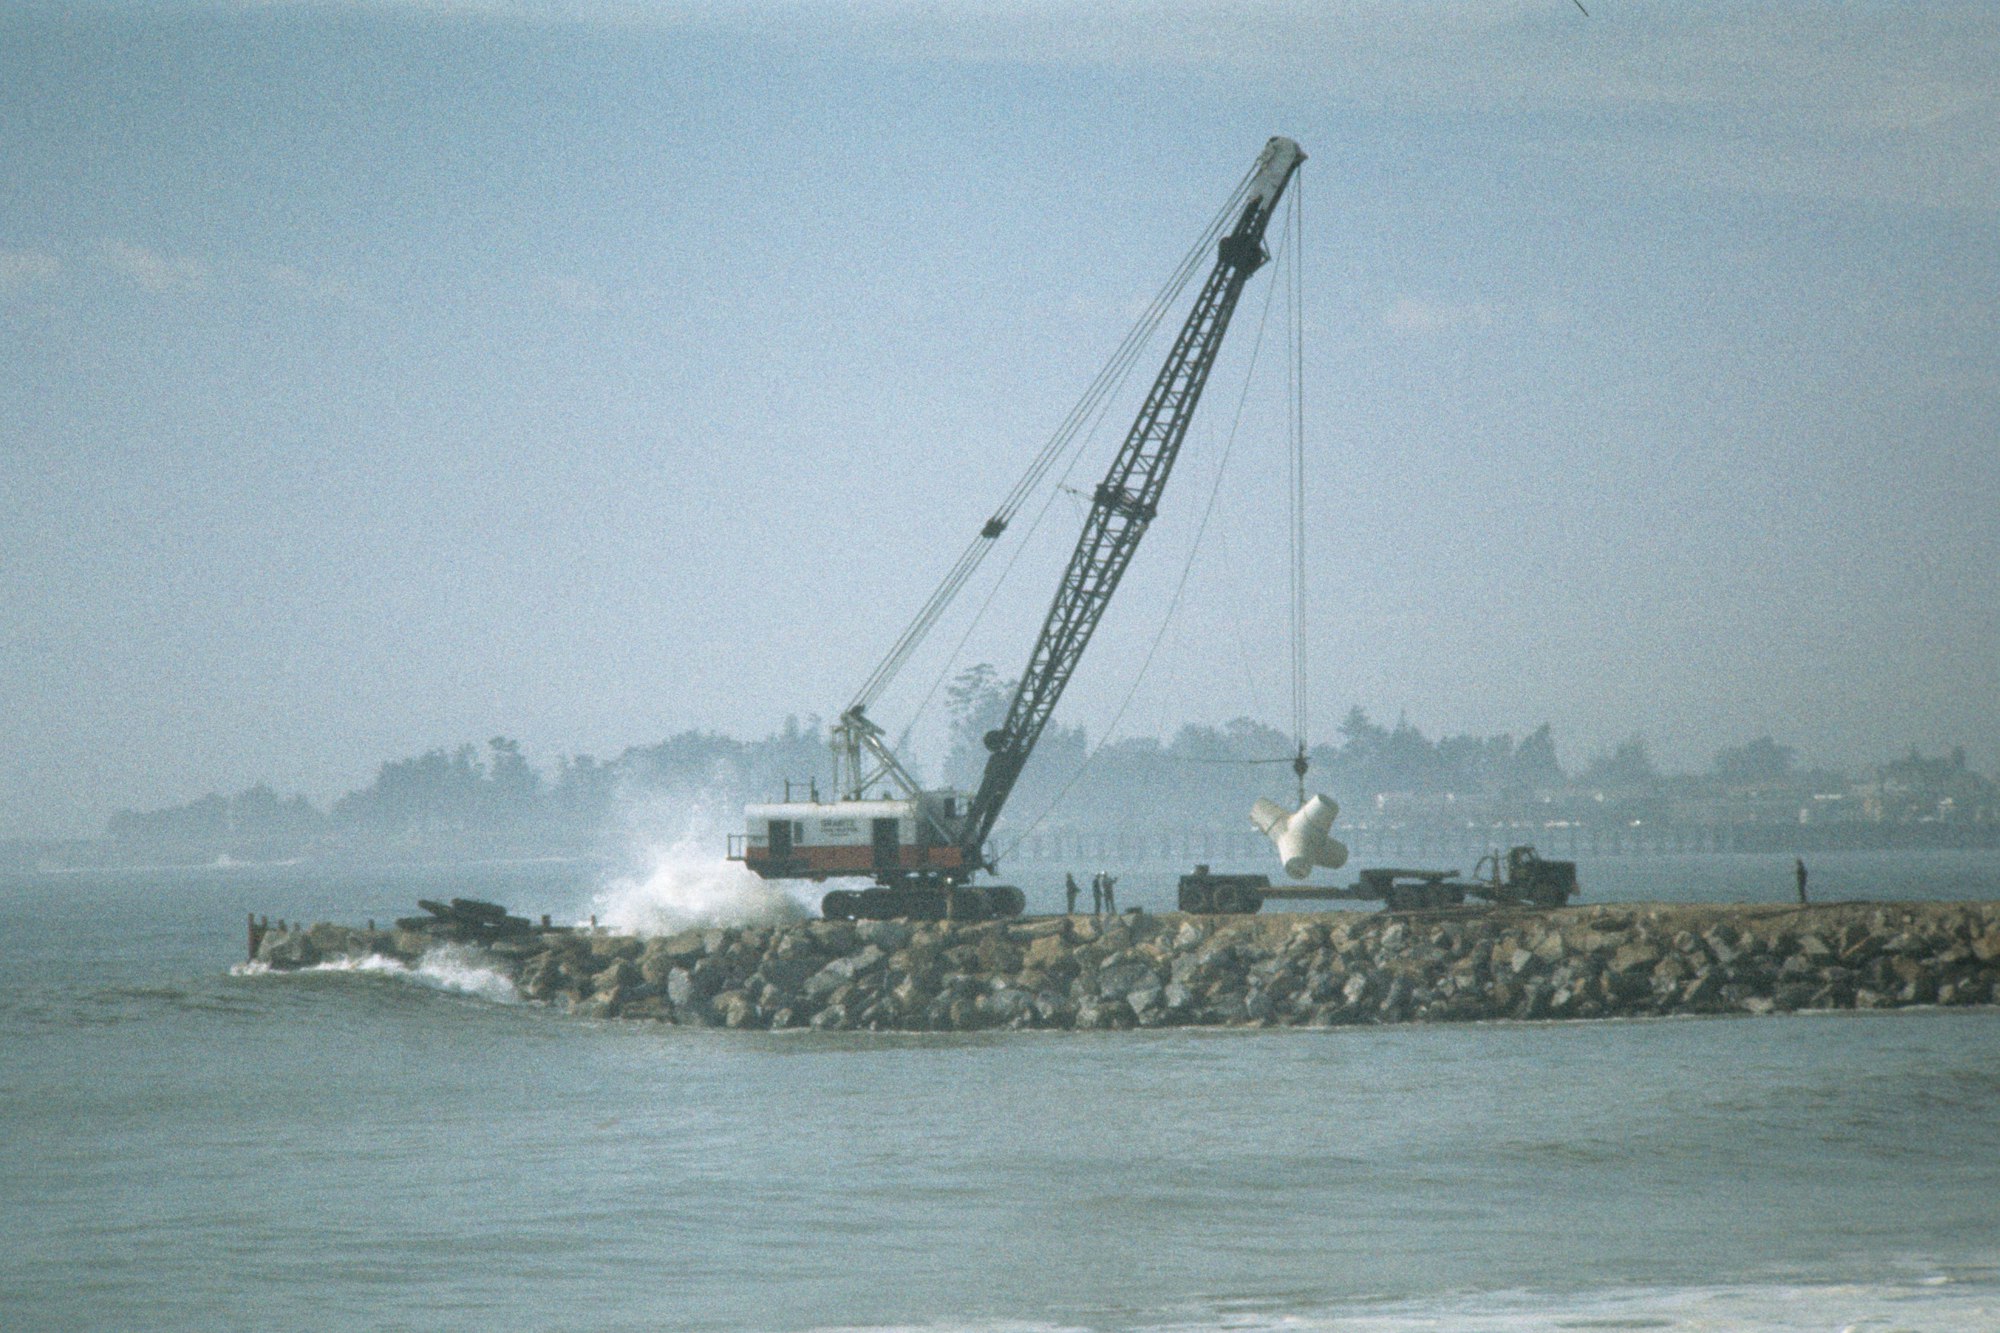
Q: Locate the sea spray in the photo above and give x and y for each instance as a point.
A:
(453, 968)
(680, 878)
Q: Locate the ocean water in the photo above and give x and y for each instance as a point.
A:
(190, 1145)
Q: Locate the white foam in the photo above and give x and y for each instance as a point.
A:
(1937, 1304)
(452, 969)
(682, 880)
(448, 967)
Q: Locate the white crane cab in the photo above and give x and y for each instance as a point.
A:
(887, 840)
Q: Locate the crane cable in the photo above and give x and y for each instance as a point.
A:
(1296, 412)
(1091, 405)
(1020, 549)
(1107, 382)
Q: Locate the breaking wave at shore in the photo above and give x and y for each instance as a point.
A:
(446, 968)
(1933, 1303)
(1937, 1303)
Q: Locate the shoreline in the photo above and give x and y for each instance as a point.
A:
(1282, 969)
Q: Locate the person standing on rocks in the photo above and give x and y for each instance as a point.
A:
(1070, 890)
(1800, 871)
(1110, 903)
(1097, 894)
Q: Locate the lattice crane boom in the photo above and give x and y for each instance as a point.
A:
(1126, 501)
(920, 847)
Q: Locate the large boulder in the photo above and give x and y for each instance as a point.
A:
(1116, 1014)
(844, 970)
(1635, 957)
(623, 974)
(735, 1009)
(616, 946)
(832, 936)
(1123, 977)
(1046, 953)
(888, 936)
(1005, 1007)
(787, 974)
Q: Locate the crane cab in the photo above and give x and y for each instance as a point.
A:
(886, 840)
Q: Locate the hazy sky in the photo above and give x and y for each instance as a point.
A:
(379, 376)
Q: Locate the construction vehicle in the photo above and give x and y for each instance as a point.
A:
(923, 848)
(1529, 878)
(1517, 878)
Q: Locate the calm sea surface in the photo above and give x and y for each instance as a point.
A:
(192, 1147)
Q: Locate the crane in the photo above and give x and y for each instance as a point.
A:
(921, 847)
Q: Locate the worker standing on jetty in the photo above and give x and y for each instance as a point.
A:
(1110, 903)
(1070, 890)
(1800, 871)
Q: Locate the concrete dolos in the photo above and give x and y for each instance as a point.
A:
(1302, 836)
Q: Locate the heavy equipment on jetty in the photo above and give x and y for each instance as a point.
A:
(1518, 877)
(923, 848)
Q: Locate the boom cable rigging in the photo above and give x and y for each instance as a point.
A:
(1286, 242)
(1087, 410)
(924, 871)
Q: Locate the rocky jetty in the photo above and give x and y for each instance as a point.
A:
(1142, 970)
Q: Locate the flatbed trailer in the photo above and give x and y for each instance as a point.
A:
(1519, 878)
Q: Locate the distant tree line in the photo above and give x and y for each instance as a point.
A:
(257, 814)
(1203, 776)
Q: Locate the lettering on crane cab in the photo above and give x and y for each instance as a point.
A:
(838, 828)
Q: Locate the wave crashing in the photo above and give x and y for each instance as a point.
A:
(681, 884)
(449, 967)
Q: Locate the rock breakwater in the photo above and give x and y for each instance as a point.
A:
(1142, 970)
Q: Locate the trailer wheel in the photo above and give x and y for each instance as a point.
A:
(1196, 898)
(840, 905)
